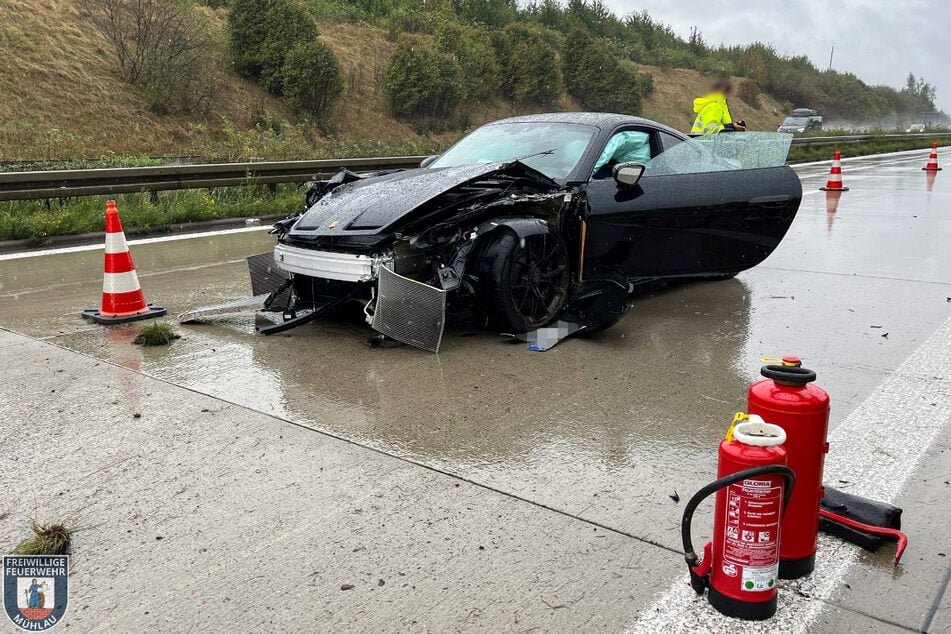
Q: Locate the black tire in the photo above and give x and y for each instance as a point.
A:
(523, 284)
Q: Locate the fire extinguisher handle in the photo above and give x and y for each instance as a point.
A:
(792, 375)
(690, 554)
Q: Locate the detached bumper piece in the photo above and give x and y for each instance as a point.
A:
(269, 284)
(409, 311)
(293, 319)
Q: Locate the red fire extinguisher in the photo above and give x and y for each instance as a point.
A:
(787, 397)
(741, 564)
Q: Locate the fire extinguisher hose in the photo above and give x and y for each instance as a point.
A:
(874, 530)
(698, 581)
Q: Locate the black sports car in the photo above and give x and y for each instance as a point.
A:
(535, 220)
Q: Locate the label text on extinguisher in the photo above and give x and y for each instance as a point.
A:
(752, 532)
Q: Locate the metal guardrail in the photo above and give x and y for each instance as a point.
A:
(858, 138)
(119, 180)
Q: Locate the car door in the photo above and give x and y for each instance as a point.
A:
(694, 213)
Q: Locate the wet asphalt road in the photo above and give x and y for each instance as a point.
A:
(605, 428)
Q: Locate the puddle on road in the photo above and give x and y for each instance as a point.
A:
(604, 426)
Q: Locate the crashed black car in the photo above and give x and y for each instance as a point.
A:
(538, 221)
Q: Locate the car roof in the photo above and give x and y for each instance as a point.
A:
(602, 120)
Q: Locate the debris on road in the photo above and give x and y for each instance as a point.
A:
(155, 335)
(49, 539)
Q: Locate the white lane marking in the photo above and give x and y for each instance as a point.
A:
(876, 449)
(100, 247)
(904, 154)
(899, 158)
(896, 158)
(206, 234)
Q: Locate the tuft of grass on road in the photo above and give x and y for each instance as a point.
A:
(806, 153)
(40, 220)
(49, 539)
(155, 334)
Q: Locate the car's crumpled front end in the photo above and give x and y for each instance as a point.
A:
(399, 242)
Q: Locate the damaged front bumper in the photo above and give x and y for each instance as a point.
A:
(330, 265)
(402, 308)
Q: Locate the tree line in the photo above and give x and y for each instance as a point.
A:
(452, 54)
(640, 38)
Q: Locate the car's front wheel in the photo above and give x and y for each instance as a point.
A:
(523, 282)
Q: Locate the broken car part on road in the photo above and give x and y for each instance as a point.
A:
(598, 205)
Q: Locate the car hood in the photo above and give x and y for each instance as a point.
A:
(373, 205)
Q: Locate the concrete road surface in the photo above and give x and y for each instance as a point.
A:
(232, 480)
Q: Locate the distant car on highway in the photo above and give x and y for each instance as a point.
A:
(538, 218)
(801, 120)
(916, 128)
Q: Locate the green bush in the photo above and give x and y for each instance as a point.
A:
(471, 48)
(409, 21)
(595, 77)
(491, 13)
(263, 32)
(422, 81)
(166, 48)
(531, 71)
(312, 80)
(749, 91)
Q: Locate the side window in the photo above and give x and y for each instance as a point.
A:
(623, 147)
(723, 152)
(668, 141)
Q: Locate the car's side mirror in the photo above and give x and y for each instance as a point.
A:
(627, 175)
(426, 162)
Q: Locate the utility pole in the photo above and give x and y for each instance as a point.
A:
(831, 55)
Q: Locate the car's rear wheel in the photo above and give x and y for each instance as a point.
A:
(523, 282)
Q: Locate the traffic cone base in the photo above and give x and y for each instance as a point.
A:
(152, 311)
(931, 169)
(833, 189)
(122, 298)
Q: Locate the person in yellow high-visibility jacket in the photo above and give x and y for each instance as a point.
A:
(713, 113)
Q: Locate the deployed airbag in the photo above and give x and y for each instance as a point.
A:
(626, 147)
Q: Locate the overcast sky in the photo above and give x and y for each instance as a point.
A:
(877, 40)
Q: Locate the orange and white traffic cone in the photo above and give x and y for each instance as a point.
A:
(834, 184)
(122, 298)
(932, 165)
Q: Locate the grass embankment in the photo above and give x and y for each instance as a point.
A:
(40, 220)
(806, 153)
